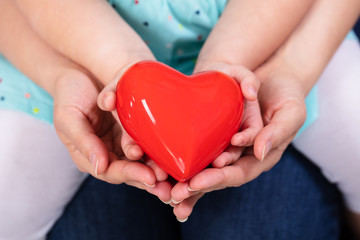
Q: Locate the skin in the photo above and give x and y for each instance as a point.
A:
(81, 125)
(269, 144)
(242, 15)
(55, 28)
(286, 78)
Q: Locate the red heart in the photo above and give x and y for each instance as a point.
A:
(181, 122)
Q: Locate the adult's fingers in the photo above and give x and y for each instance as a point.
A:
(79, 136)
(161, 190)
(124, 171)
(242, 171)
(284, 124)
(202, 182)
(251, 125)
(183, 210)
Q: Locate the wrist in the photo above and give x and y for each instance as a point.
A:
(119, 69)
(276, 70)
(71, 76)
(213, 64)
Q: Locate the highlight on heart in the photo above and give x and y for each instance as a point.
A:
(181, 122)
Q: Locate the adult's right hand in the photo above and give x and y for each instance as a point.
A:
(96, 141)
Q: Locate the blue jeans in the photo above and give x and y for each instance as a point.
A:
(291, 201)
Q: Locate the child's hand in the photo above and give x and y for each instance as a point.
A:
(93, 138)
(251, 122)
(107, 102)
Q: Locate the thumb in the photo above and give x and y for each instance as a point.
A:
(80, 137)
(107, 97)
(281, 128)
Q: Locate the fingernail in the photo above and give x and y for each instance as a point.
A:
(252, 91)
(176, 202)
(96, 167)
(168, 202)
(192, 190)
(152, 186)
(265, 150)
(104, 100)
(94, 162)
(182, 220)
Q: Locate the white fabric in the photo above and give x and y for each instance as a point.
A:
(333, 141)
(37, 177)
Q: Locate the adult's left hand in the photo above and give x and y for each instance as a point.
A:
(282, 101)
(224, 171)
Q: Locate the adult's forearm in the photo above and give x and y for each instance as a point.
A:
(248, 32)
(27, 51)
(309, 49)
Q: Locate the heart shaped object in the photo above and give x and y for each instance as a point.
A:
(181, 122)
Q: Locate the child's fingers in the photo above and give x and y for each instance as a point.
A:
(229, 156)
(245, 138)
(107, 100)
(248, 81)
(130, 148)
(251, 125)
(107, 97)
(161, 175)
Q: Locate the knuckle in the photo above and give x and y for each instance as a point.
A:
(124, 173)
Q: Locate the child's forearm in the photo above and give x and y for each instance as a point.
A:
(27, 51)
(89, 32)
(309, 49)
(248, 32)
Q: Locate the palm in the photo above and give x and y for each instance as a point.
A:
(86, 130)
(282, 104)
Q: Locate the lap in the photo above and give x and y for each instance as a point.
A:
(291, 201)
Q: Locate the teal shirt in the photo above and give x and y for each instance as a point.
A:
(174, 30)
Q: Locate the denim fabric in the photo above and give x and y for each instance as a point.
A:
(291, 201)
(357, 28)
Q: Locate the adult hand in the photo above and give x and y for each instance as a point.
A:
(281, 99)
(251, 125)
(96, 141)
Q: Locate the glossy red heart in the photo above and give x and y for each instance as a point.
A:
(181, 122)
